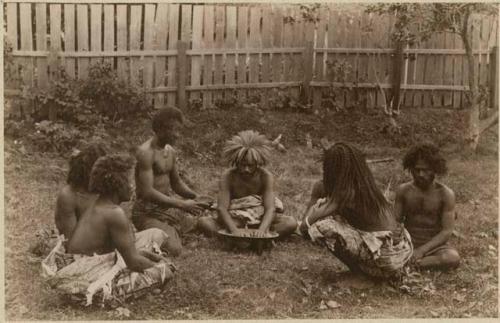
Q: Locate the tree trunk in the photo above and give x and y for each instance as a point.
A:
(473, 126)
(397, 63)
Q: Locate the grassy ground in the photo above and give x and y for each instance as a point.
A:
(295, 278)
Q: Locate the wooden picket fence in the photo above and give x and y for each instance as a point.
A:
(180, 51)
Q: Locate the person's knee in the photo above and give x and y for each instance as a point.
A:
(450, 258)
(286, 225)
(172, 246)
(208, 225)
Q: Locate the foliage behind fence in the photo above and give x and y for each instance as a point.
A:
(179, 52)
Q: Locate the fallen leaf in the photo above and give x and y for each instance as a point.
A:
(482, 235)
(272, 295)
(459, 297)
(333, 304)
(23, 309)
(306, 291)
(434, 313)
(405, 288)
(122, 311)
(492, 248)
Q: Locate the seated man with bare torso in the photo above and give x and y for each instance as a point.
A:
(246, 197)
(103, 255)
(427, 208)
(73, 199)
(156, 175)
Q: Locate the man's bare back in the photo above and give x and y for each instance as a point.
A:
(70, 206)
(91, 236)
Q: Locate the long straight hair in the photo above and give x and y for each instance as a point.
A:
(348, 180)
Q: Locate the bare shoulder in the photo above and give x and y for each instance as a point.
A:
(266, 174)
(447, 192)
(228, 175)
(171, 153)
(67, 194)
(404, 188)
(113, 214)
(144, 153)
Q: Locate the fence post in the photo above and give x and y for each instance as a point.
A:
(308, 71)
(494, 78)
(181, 75)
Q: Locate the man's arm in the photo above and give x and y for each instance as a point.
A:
(145, 180)
(447, 223)
(223, 201)
(268, 201)
(123, 239)
(316, 194)
(399, 203)
(65, 215)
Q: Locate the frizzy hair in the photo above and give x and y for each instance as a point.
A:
(81, 162)
(110, 173)
(248, 145)
(165, 116)
(348, 180)
(429, 153)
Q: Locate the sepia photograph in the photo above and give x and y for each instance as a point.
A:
(230, 160)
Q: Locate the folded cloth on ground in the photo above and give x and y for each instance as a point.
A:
(86, 276)
(250, 209)
(375, 253)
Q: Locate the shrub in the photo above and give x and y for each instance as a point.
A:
(111, 97)
(102, 94)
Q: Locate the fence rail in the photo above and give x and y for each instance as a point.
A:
(181, 51)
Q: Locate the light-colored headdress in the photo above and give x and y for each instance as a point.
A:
(247, 144)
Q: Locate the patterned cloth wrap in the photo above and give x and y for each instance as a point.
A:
(85, 276)
(179, 219)
(250, 209)
(374, 252)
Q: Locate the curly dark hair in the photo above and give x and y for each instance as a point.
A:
(109, 173)
(166, 115)
(429, 153)
(81, 162)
